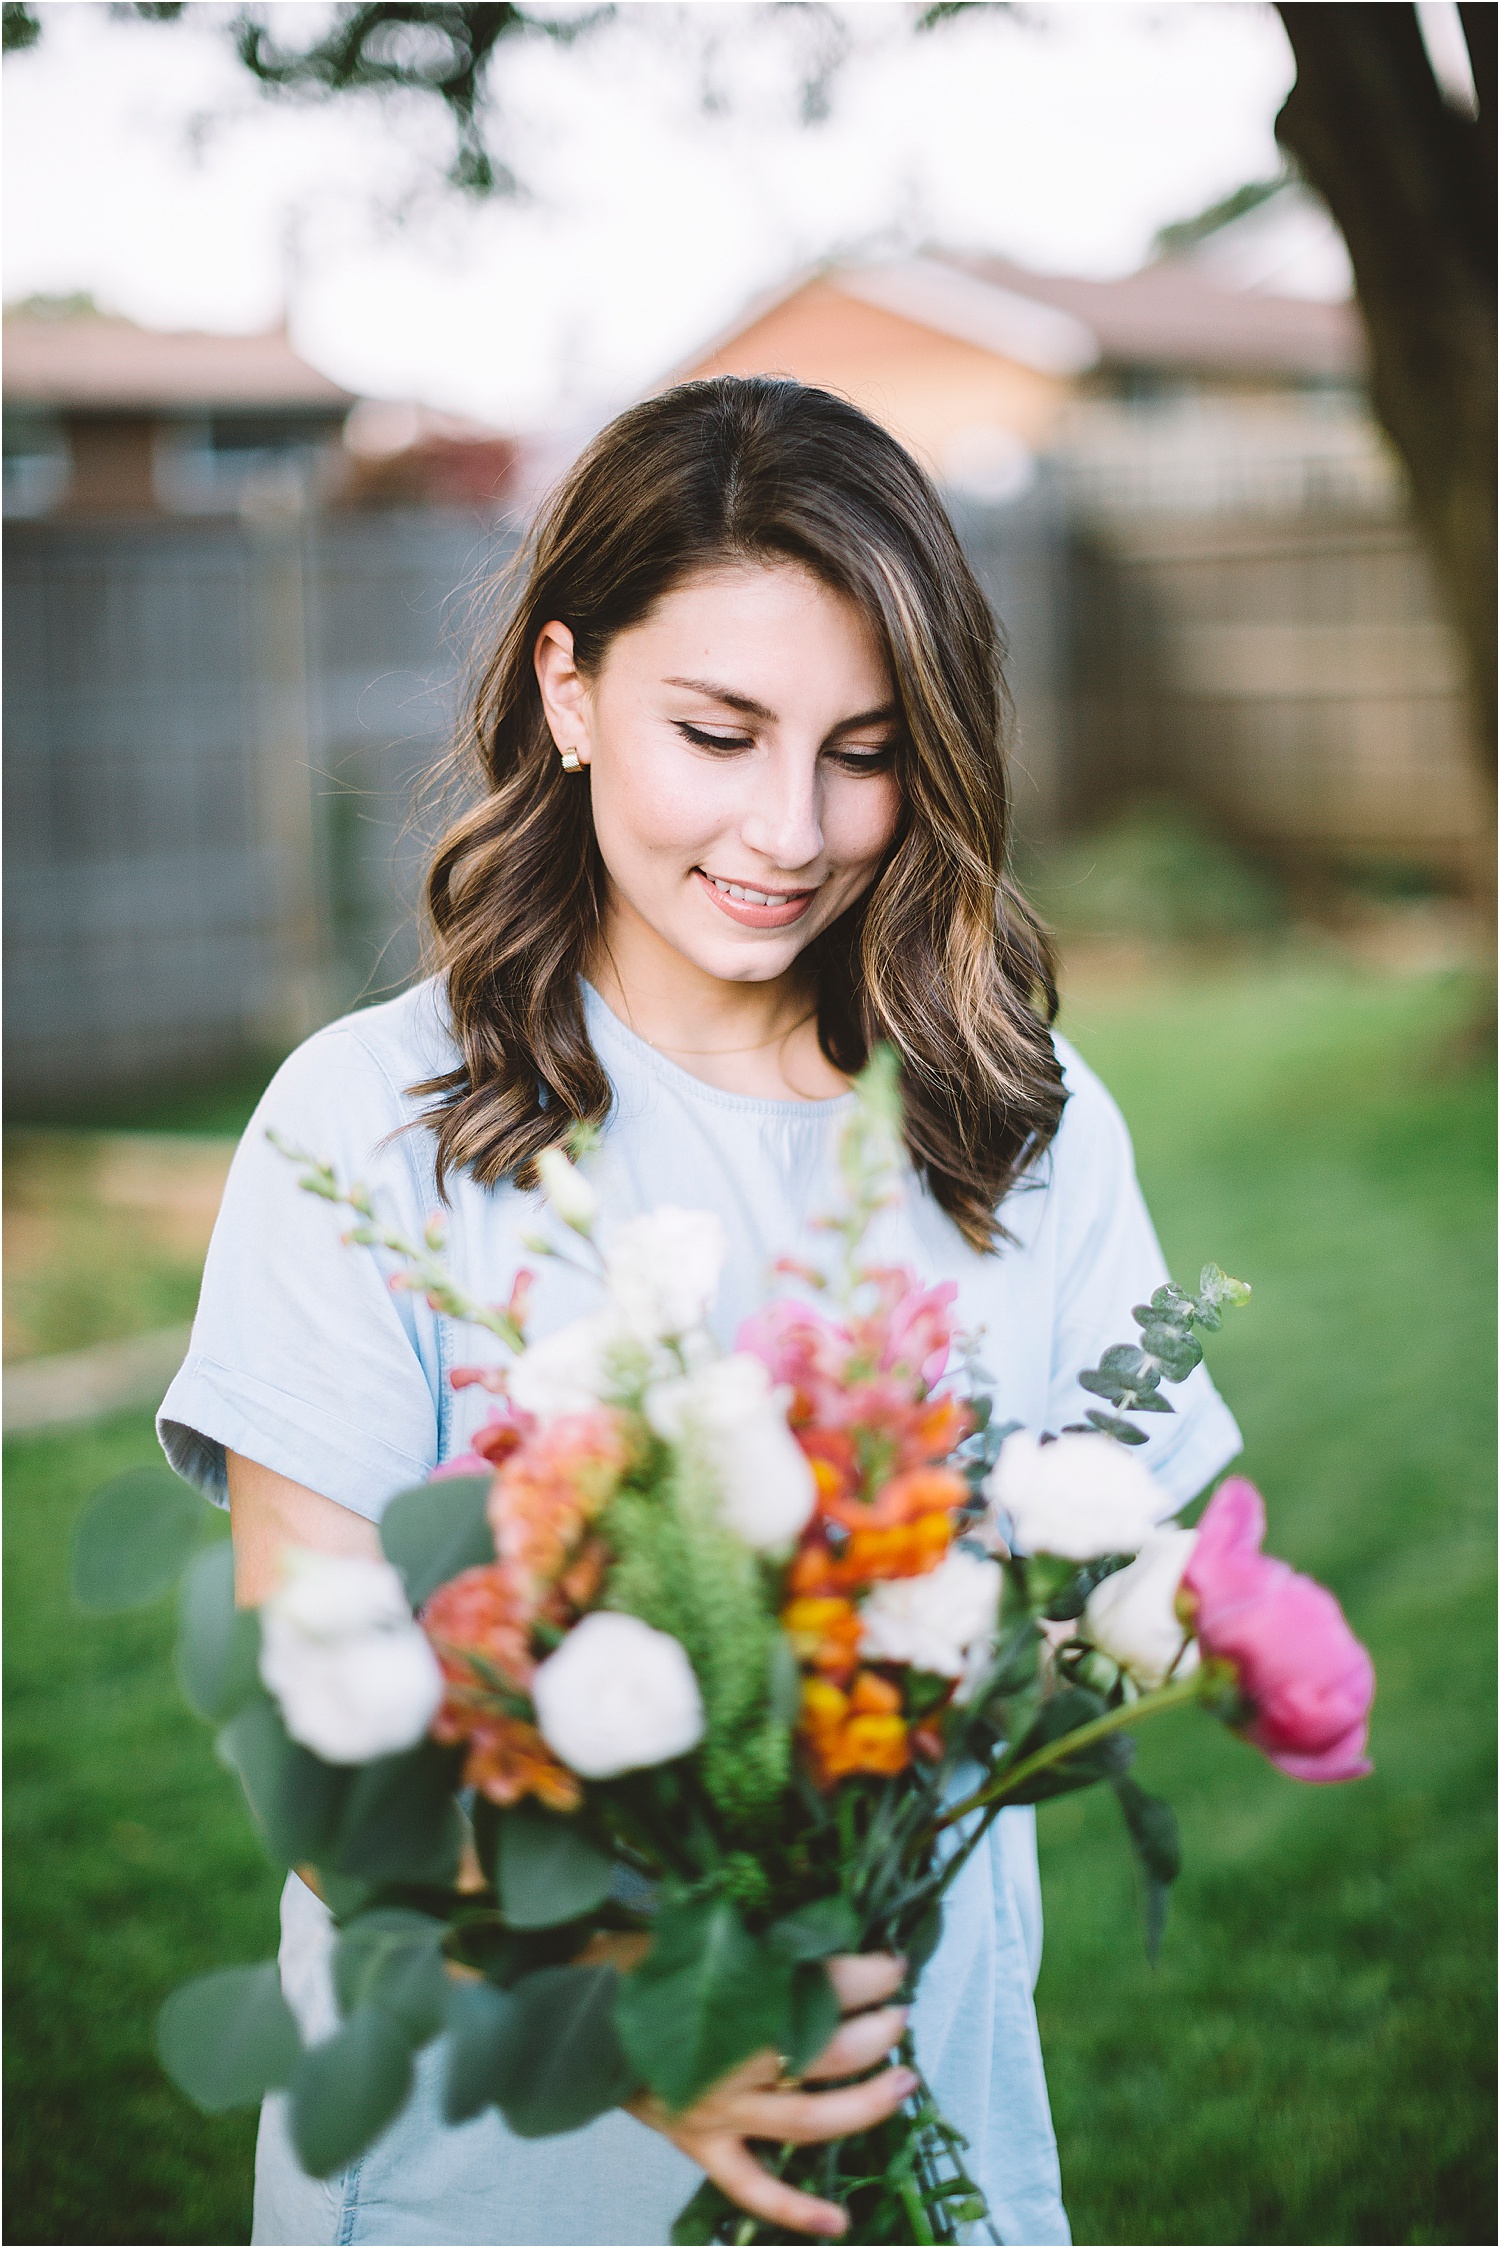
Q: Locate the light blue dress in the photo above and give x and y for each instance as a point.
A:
(303, 1358)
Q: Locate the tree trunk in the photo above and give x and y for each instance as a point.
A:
(1410, 181)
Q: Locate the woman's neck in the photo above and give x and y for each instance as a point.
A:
(759, 1039)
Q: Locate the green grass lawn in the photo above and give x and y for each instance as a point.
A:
(1312, 2058)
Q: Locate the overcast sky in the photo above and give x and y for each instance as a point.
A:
(667, 178)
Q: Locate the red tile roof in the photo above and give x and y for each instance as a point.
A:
(1172, 316)
(92, 360)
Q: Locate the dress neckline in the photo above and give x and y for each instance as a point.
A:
(606, 1028)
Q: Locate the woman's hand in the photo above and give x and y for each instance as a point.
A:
(747, 2104)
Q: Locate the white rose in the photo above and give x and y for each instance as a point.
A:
(766, 1489)
(568, 1191)
(617, 1695)
(1077, 1498)
(569, 1371)
(664, 1270)
(937, 1622)
(1131, 1616)
(346, 1659)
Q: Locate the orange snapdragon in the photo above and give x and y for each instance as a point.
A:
(862, 1730)
(550, 1488)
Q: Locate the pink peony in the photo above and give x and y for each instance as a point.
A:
(462, 1463)
(1308, 1680)
(914, 1326)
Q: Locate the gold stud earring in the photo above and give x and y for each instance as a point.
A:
(571, 761)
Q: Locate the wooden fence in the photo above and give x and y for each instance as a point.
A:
(215, 734)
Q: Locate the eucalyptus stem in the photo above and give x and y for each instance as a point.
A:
(1068, 1744)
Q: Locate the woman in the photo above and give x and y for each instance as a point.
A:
(743, 814)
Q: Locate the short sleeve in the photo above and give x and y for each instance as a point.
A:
(1109, 1260)
(302, 1357)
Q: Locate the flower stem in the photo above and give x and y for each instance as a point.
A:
(1068, 1744)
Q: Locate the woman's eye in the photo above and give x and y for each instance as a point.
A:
(867, 760)
(704, 740)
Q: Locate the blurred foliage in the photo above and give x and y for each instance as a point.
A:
(1157, 875)
(1312, 2058)
(104, 1235)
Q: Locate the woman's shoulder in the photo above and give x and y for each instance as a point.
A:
(1092, 1128)
(371, 1059)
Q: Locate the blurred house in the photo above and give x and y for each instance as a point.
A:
(1187, 520)
(103, 417)
(977, 363)
(235, 610)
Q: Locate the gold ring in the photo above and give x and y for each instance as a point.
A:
(786, 2081)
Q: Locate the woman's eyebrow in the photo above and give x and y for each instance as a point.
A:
(716, 693)
(753, 709)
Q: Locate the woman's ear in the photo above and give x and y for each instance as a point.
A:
(564, 693)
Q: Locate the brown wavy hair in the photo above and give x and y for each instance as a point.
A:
(941, 956)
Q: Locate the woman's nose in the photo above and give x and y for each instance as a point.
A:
(783, 821)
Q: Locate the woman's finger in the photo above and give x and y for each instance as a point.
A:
(866, 1978)
(862, 2040)
(805, 2117)
(735, 2171)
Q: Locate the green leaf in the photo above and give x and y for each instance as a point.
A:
(812, 2015)
(400, 1820)
(1157, 1842)
(816, 1931)
(549, 1869)
(923, 1942)
(134, 1539)
(1176, 1353)
(393, 1957)
(435, 1531)
(484, 2051)
(228, 2038)
(785, 1694)
(218, 1645)
(1062, 1713)
(575, 2065)
(297, 1800)
(345, 2091)
(705, 1997)
(701, 2220)
(1108, 1424)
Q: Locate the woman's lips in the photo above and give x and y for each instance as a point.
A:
(750, 916)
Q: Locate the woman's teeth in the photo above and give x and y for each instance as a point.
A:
(752, 897)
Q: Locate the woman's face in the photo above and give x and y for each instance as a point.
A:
(741, 743)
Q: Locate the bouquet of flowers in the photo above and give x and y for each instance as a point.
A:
(700, 1669)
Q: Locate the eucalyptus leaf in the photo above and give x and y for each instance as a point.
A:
(297, 1800)
(816, 1931)
(435, 1531)
(1109, 1424)
(1177, 1352)
(549, 1870)
(484, 2054)
(218, 1645)
(706, 1996)
(393, 1957)
(228, 2038)
(134, 1539)
(345, 2091)
(812, 2015)
(576, 2066)
(400, 1820)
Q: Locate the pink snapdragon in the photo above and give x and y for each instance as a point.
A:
(1307, 1679)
